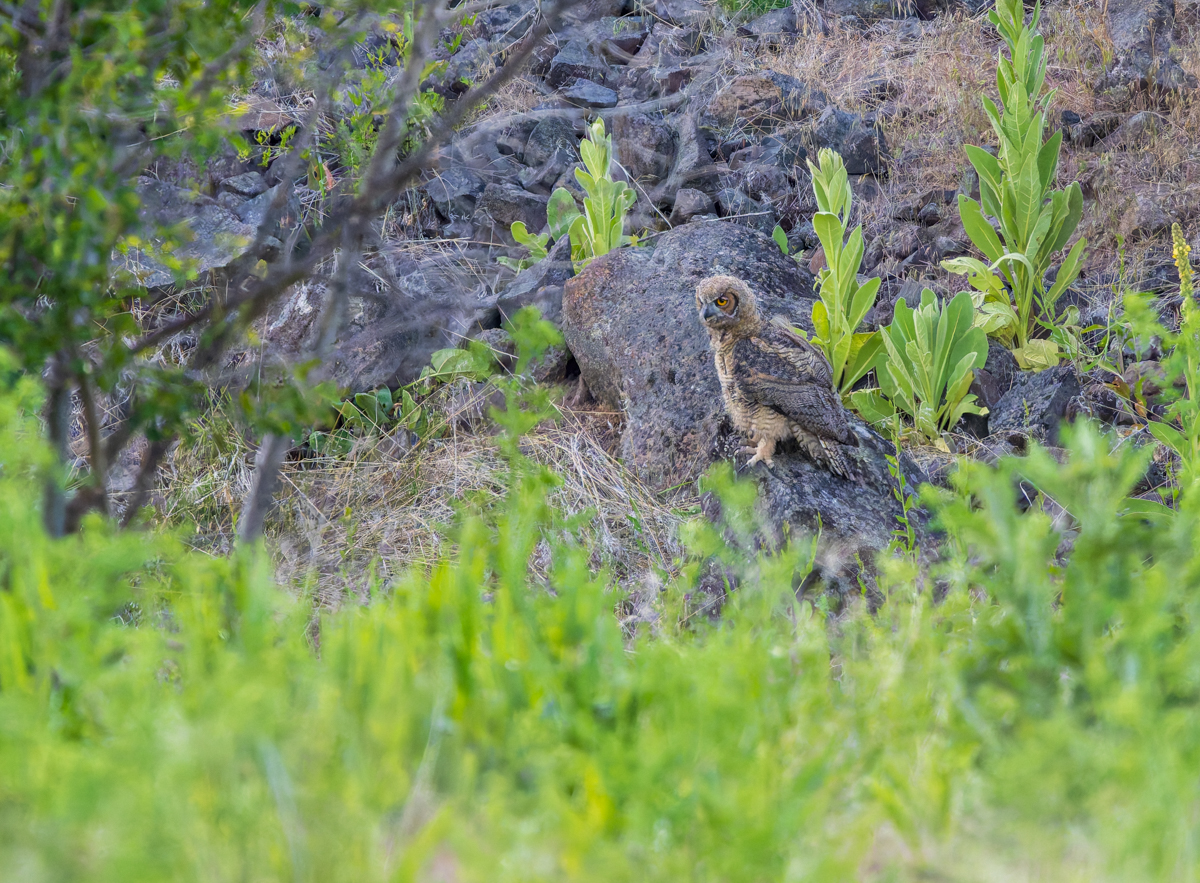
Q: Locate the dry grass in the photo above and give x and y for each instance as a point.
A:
(343, 526)
(926, 83)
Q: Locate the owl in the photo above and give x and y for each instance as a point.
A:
(776, 384)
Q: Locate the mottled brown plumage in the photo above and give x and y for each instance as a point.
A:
(775, 383)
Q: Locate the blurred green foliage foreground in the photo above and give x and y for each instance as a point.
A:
(169, 716)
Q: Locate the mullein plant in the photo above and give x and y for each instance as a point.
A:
(599, 228)
(1035, 221)
(925, 367)
(1184, 440)
(596, 230)
(844, 301)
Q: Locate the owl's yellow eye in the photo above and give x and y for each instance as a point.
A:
(722, 302)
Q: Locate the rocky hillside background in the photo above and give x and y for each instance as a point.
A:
(713, 114)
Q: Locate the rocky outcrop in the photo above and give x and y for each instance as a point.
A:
(630, 320)
(539, 286)
(397, 316)
(763, 100)
(209, 235)
(1036, 403)
(854, 520)
(1143, 35)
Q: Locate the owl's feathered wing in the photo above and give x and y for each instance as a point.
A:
(784, 371)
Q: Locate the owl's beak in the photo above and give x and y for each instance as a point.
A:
(710, 311)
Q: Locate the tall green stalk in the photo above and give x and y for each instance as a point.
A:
(844, 301)
(1016, 188)
(599, 228)
(1185, 441)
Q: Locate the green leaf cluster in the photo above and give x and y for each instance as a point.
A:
(535, 243)
(79, 120)
(1016, 188)
(381, 410)
(844, 301)
(599, 228)
(926, 366)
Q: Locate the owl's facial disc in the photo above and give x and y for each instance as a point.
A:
(723, 306)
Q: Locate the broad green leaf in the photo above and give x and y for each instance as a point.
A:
(990, 178)
(1027, 203)
(780, 238)
(978, 229)
(1038, 235)
(1171, 437)
(561, 213)
(1048, 160)
(1151, 510)
(369, 405)
(1070, 221)
(820, 320)
(863, 301)
(872, 405)
(864, 352)
(1068, 272)
(1037, 355)
(829, 231)
(848, 264)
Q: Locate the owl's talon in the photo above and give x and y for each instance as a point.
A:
(762, 452)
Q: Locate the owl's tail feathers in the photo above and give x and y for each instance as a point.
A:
(826, 451)
(835, 459)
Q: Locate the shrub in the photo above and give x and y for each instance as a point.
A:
(95, 93)
(167, 715)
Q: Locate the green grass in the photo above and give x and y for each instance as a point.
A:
(169, 716)
(752, 8)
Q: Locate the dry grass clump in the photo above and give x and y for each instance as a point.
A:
(344, 526)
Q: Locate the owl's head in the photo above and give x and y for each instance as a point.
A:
(725, 303)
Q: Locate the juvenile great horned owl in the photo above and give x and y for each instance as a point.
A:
(775, 383)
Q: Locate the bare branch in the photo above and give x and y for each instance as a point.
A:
(96, 452)
(155, 452)
(262, 492)
(259, 294)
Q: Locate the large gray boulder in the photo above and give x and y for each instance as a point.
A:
(178, 224)
(630, 320)
(1143, 35)
(398, 314)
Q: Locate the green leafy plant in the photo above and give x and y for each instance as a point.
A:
(381, 410)
(535, 243)
(1184, 437)
(1016, 187)
(844, 301)
(1042, 706)
(598, 229)
(367, 103)
(926, 366)
(474, 362)
(94, 95)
